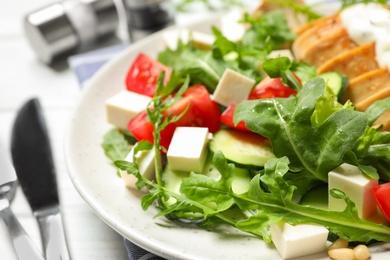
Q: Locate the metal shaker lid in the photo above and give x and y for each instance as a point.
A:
(107, 15)
(69, 25)
(139, 4)
(50, 32)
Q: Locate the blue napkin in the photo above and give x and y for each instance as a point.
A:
(84, 66)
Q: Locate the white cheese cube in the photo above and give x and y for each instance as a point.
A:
(231, 27)
(146, 166)
(123, 106)
(200, 40)
(300, 240)
(281, 53)
(349, 179)
(188, 149)
(233, 88)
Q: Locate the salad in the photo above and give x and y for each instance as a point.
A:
(270, 155)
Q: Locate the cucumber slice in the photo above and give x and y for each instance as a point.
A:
(336, 82)
(240, 184)
(245, 149)
(316, 197)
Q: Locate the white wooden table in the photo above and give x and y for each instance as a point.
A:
(23, 76)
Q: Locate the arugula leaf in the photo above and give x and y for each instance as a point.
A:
(115, 145)
(304, 71)
(268, 201)
(275, 203)
(206, 190)
(351, 158)
(286, 122)
(159, 103)
(268, 31)
(243, 59)
(280, 67)
(201, 66)
(377, 109)
(132, 168)
(373, 147)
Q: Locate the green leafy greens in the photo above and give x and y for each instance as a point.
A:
(311, 134)
(287, 123)
(268, 201)
(265, 34)
(307, 149)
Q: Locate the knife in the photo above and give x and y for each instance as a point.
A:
(24, 246)
(34, 165)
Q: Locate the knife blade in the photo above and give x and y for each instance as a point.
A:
(34, 165)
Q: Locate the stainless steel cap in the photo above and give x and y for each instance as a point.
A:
(136, 4)
(50, 32)
(70, 25)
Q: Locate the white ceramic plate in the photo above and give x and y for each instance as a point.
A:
(95, 178)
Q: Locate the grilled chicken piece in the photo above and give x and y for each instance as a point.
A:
(325, 43)
(368, 88)
(313, 33)
(328, 47)
(324, 20)
(352, 63)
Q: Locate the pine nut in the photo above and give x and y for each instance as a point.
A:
(361, 252)
(342, 254)
(339, 243)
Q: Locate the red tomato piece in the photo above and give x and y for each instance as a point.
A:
(227, 119)
(143, 74)
(382, 195)
(271, 88)
(201, 112)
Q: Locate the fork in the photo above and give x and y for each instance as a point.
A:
(24, 246)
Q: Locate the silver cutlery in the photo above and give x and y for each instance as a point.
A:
(24, 246)
(33, 162)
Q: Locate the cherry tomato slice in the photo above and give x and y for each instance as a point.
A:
(201, 112)
(382, 195)
(271, 88)
(227, 119)
(143, 74)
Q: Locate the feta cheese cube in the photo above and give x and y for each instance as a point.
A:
(188, 149)
(349, 179)
(145, 161)
(200, 40)
(233, 88)
(231, 27)
(123, 106)
(300, 240)
(281, 53)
